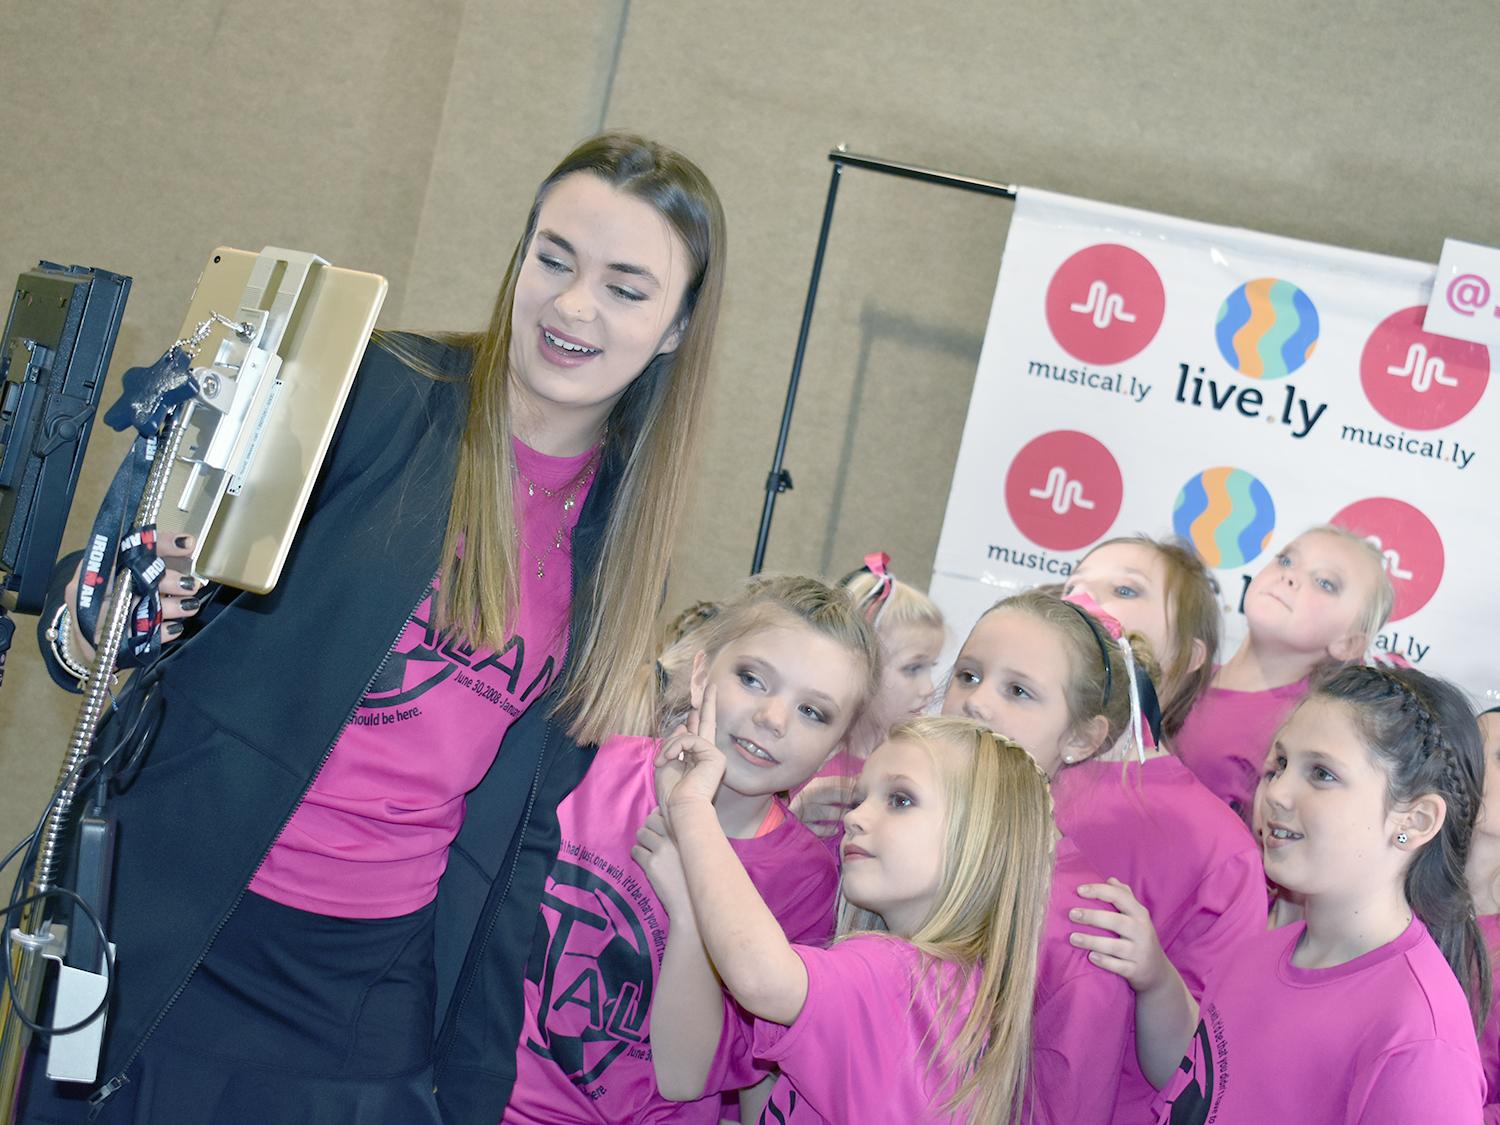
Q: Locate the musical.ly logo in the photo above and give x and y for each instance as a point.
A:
(1391, 557)
(1420, 380)
(1105, 306)
(1078, 496)
(1411, 551)
(1105, 303)
(1422, 369)
(1063, 493)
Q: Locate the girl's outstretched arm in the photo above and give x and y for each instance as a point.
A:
(745, 942)
(1166, 1015)
(687, 1011)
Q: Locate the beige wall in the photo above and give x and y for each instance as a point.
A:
(405, 138)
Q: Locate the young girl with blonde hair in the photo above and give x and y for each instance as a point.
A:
(921, 1010)
(911, 631)
(1317, 604)
(791, 662)
(1034, 669)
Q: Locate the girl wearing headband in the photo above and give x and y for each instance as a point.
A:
(1034, 670)
(1136, 812)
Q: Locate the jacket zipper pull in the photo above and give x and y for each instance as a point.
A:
(98, 1097)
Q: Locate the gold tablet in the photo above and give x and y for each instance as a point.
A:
(245, 522)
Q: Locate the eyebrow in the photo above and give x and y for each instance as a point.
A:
(616, 267)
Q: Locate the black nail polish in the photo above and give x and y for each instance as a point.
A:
(182, 542)
(188, 582)
(172, 630)
(190, 605)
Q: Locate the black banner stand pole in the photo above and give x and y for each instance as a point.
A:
(779, 480)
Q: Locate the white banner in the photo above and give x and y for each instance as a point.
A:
(1148, 374)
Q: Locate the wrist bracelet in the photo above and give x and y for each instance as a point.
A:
(57, 636)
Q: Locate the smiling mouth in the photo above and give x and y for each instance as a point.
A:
(572, 347)
(756, 754)
(1276, 836)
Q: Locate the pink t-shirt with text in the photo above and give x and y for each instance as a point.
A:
(1188, 859)
(1385, 1039)
(370, 838)
(1227, 735)
(585, 1047)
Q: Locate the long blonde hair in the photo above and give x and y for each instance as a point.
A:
(988, 913)
(651, 438)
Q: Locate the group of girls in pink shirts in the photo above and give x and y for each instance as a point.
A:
(1109, 880)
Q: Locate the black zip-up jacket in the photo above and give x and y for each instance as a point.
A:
(246, 710)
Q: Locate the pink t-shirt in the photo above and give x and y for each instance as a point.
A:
(1227, 735)
(370, 838)
(1183, 853)
(1084, 1015)
(858, 1049)
(1382, 1040)
(585, 1048)
(1489, 1037)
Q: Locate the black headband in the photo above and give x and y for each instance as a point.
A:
(1096, 630)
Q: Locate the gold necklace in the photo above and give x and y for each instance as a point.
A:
(579, 483)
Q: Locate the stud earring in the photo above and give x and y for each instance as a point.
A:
(1400, 837)
(1067, 759)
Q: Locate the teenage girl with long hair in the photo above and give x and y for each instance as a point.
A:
(329, 865)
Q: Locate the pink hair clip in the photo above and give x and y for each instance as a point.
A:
(878, 563)
(1084, 602)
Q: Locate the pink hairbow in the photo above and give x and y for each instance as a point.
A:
(1083, 601)
(878, 563)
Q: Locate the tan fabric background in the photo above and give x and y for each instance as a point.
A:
(406, 139)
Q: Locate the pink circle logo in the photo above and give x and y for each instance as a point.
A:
(1418, 380)
(1409, 543)
(1063, 490)
(1105, 303)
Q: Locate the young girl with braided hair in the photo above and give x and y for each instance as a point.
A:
(1366, 1010)
(1128, 807)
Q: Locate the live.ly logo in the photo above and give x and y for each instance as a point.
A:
(1266, 329)
(1063, 490)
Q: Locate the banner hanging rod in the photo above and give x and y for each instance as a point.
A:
(779, 480)
(841, 155)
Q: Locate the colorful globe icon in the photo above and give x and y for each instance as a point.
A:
(1267, 328)
(1227, 514)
